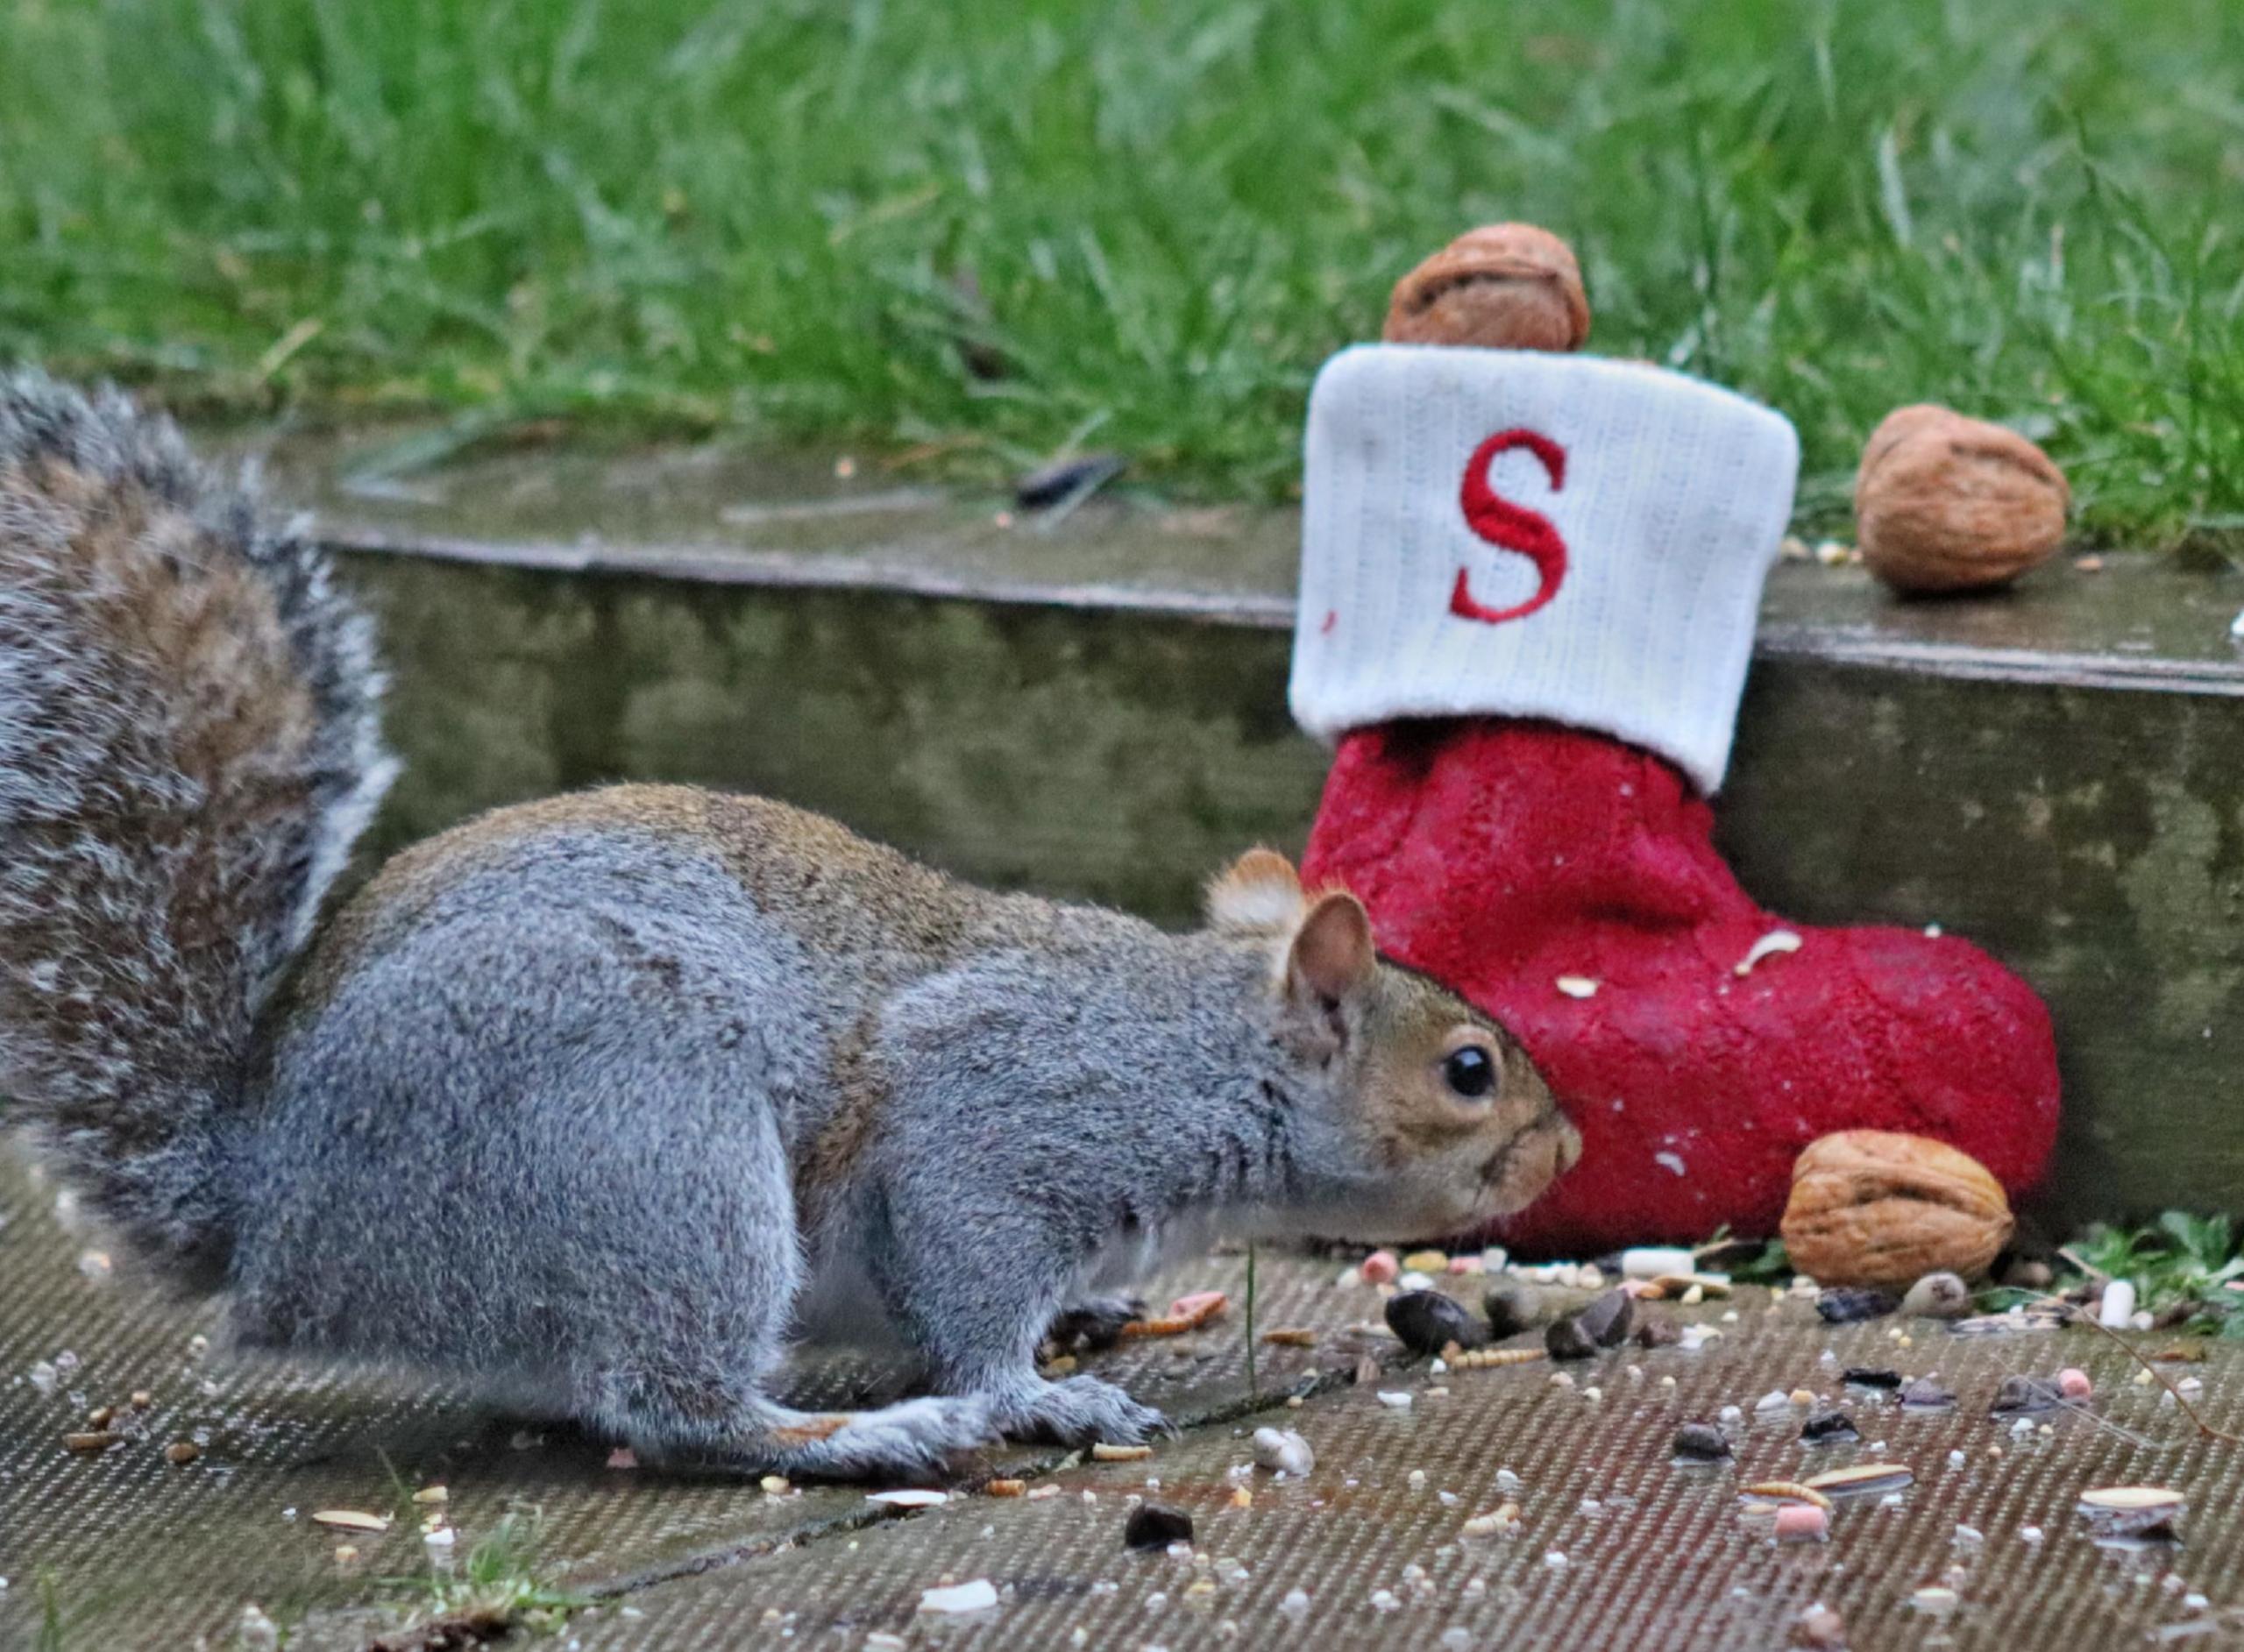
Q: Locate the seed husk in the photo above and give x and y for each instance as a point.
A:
(2132, 1511)
(349, 1519)
(1655, 1329)
(1426, 1322)
(1155, 1526)
(1846, 1305)
(2021, 1395)
(1607, 1321)
(1511, 1307)
(1567, 1339)
(1938, 1296)
(1289, 1336)
(1829, 1427)
(1702, 1443)
(1283, 1451)
(1861, 1478)
(1675, 1285)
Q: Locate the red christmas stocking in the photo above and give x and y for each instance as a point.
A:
(1528, 590)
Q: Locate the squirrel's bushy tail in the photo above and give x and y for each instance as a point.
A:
(188, 746)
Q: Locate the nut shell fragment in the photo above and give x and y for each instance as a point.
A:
(1861, 1479)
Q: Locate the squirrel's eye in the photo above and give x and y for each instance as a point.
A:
(1471, 1071)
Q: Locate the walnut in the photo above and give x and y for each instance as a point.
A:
(1872, 1207)
(1947, 503)
(1503, 287)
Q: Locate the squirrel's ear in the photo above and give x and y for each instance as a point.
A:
(1332, 953)
(1258, 890)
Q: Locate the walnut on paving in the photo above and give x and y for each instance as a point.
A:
(1501, 287)
(1874, 1207)
(1947, 503)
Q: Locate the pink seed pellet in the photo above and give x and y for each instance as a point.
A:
(2073, 1383)
(1801, 1523)
(1381, 1267)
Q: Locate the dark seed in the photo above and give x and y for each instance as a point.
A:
(1701, 1441)
(1607, 1319)
(1843, 1306)
(2018, 1396)
(1829, 1427)
(1927, 1392)
(1056, 482)
(1157, 1526)
(1657, 1330)
(1428, 1321)
(1871, 1377)
(1511, 1307)
(1567, 1339)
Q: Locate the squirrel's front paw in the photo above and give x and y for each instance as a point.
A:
(1094, 1323)
(1080, 1411)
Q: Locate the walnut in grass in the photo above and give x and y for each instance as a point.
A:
(1875, 1206)
(1502, 287)
(1947, 503)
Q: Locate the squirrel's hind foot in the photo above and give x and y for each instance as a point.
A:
(913, 1439)
(1079, 1411)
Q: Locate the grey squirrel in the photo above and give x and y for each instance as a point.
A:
(576, 1102)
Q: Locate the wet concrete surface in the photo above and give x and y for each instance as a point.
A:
(123, 1549)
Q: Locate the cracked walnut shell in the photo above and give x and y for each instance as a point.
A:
(1874, 1207)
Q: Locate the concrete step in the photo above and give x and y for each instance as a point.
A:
(1096, 708)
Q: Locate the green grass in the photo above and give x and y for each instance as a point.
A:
(784, 219)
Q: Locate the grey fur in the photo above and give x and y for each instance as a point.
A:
(588, 1104)
(154, 884)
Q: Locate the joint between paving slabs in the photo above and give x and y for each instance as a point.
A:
(1037, 1467)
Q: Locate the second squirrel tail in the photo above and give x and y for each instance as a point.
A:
(188, 747)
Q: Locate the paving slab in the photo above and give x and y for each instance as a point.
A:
(1618, 1546)
(142, 1553)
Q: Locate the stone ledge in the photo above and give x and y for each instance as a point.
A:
(1099, 711)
